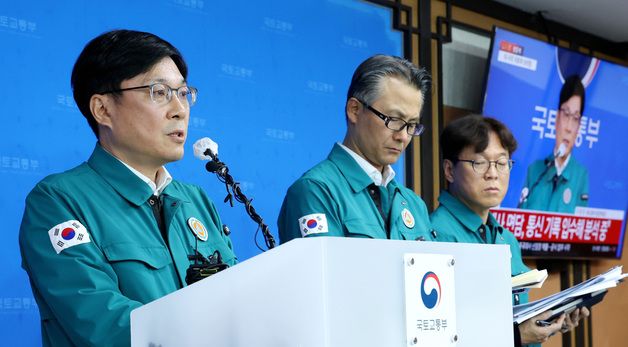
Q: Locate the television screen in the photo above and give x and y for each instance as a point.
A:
(568, 189)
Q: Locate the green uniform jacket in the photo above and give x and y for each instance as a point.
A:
(572, 188)
(337, 188)
(86, 292)
(455, 222)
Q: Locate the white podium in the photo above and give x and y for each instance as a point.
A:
(328, 291)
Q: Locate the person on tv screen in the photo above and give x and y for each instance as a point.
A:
(353, 192)
(476, 164)
(559, 183)
(117, 232)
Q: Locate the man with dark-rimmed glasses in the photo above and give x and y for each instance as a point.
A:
(477, 161)
(115, 232)
(353, 193)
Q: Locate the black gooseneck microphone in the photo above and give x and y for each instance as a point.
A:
(233, 188)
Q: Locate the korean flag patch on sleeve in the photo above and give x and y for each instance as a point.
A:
(315, 223)
(68, 234)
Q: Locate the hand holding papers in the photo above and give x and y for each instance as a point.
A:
(587, 293)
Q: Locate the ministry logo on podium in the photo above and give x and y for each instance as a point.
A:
(430, 300)
(430, 280)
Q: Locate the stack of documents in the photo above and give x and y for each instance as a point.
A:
(531, 279)
(587, 293)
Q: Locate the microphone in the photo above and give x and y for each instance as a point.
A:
(523, 197)
(560, 152)
(206, 149)
(203, 267)
(525, 193)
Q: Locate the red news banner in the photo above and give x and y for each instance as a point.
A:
(600, 233)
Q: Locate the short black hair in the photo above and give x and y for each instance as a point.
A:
(473, 130)
(366, 79)
(113, 57)
(573, 87)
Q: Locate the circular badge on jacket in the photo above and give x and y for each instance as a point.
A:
(567, 196)
(197, 228)
(408, 218)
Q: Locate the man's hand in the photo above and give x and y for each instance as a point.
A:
(532, 333)
(573, 319)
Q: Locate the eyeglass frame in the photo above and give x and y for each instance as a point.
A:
(510, 162)
(571, 115)
(152, 85)
(420, 128)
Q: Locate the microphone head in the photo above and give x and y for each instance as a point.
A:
(562, 149)
(203, 145)
(524, 194)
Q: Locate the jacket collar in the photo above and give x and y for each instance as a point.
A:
(120, 178)
(463, 214)
(378, 177)
(349, 168)
(354, 174)
(567, 171)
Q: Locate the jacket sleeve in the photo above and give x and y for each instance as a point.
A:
(517, 334)
(308, 197)
(77, 289)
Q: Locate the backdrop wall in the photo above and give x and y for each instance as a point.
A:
(272, 78)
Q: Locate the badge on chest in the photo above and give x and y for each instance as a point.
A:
(408, 218)
(198, 228)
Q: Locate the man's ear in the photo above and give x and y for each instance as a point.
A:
(448, 170)
(100, 106)
(352, 109)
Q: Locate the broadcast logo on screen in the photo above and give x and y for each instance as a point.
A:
(510, 47)
(512, 54)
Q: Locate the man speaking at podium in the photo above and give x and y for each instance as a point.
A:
(353, 193)
(559, 183)
(116, 232)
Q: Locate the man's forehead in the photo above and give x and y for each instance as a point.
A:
(489, 151)
(164, 71)
(393, 83)
(165, 80)
(401, 97)
(494, 147)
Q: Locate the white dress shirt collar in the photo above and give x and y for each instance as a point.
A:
(378, 178)
(561, 168)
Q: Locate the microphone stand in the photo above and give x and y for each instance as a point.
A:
(548, 164)
(222, 171)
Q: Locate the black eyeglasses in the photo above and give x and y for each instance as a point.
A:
(502, 165)
(161, 93)
(396, 124)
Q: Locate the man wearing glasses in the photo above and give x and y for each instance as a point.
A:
(559, 183)
(114, 233)
(353, 193)
(476, 164)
